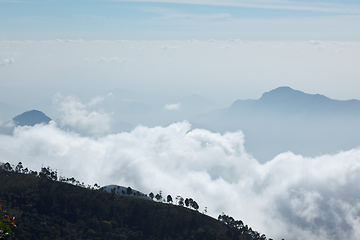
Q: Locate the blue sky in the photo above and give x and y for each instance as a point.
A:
(175, 19)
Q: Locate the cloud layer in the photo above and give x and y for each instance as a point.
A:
(77, 117)
(289, 197)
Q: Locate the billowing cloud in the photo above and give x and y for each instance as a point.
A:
(172, 107)
(77, 116)
(289, 197)
(6, 62)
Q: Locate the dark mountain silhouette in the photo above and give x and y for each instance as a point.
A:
(285, 119)
(31, 118)
(45, 208)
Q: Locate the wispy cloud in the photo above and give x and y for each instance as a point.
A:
(268, 4)
(168, 13)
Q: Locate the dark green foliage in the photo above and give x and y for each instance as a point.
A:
(129, 191)
(50, 209)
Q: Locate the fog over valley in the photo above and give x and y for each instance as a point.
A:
(251, 108)
(296, 196)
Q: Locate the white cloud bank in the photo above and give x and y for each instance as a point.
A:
(77, 116)
(289, 197)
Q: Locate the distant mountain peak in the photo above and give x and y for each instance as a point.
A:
(31, 118)
(283, 88)
(286, 93)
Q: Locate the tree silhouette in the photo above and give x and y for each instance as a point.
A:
(19, 167)
(191, 202)
(48, 173)
(169, 199)
(129, 191)
(195, 205)
(158, 197)
(205, 210)
(187, 202)
(151, 195)
(8, 167)
(181, 201)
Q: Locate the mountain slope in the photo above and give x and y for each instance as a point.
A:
(285, 119)
(47, 209)
(289, 101)
(31, 118)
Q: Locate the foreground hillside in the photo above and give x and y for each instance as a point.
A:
(48, 209)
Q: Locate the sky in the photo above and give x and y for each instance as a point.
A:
(179, 20)
(310, 46)
(32, 72)
(69, 59)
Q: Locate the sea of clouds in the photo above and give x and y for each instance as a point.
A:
(289, 197)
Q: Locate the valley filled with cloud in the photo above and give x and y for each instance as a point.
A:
(289, 196)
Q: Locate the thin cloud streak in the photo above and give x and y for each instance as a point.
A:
(282, 5)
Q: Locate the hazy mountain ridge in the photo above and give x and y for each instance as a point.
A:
(28, 118)
(31, 118)
(281, 120)
(289, 101)
(289, 120)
